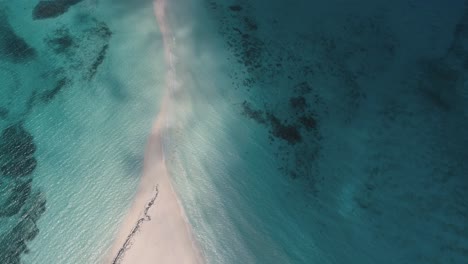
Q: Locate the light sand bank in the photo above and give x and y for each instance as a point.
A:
(155, 229)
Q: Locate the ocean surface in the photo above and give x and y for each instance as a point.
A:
(79, 92)
(301, 131)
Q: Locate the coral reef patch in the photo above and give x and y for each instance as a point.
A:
(46, 9)
(12, 46)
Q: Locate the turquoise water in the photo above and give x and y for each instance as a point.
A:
(301, 131)
(81, 96)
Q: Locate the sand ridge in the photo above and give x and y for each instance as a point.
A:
(156, 228)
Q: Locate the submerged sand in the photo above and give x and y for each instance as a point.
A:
(156, 228)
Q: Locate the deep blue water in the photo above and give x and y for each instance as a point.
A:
(331, 132)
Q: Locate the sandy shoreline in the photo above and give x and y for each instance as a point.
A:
(155, 228)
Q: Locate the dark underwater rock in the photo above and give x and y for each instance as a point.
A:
(235, 8)
(16, 151)
(299, 103)
(50, 95)
(254, 114)
(269, 65)
(16, 142)
(17, 49)
(13, 47)
(52, 8)
(99, 59)
(103, 32)
(19, 167)
(13, 242)
(278, 129)
(286, 132)
(61, 42)
(308, 121)
(19, 194)
(250, 23)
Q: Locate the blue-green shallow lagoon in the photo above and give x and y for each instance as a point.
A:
(79, 91)
(300, 131)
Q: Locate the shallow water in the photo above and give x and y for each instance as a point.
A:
(300, 132)
(87, 97)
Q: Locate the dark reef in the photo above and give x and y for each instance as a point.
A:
(307, 89)
(17, 162)
(100, 58)
(16, 159)
(285, 131)
(105, 34)
(16, 151)
(16, 200)
(278, 129)
(52, 8)
(103, 31)
(62, 41)
(13, 47)
(50, 95)
(19, 167)
(250, 24)
(250, 112)
(16, 142)
(13, 243)
(82, 51)
(308, 121)
(235, 8)
(298, 103)
(269, 65)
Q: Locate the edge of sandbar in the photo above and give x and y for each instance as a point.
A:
(156, 228)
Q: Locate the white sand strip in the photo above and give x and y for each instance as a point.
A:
(156, 229)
